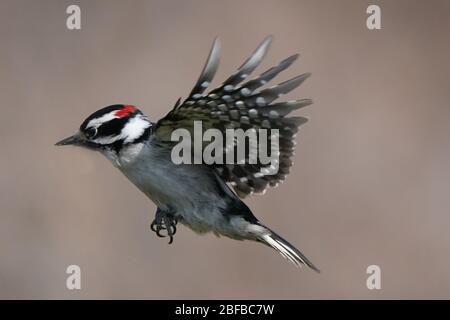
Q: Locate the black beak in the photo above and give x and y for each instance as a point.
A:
(77, 139)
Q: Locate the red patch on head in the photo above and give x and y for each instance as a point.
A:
(126, 110)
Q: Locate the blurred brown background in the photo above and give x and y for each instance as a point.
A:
(370, 185)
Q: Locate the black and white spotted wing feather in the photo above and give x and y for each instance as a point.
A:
(209, 70)
(233, 105)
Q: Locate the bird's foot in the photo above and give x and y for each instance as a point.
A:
(164, 220)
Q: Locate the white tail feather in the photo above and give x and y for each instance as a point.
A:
(287, 250)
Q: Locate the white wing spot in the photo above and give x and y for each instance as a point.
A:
(228, 88)
(260, 102)
(245, 92)
(240, 104)
(245, 120)
(226, 98)
(253, 113)
(223, 107)
(273, 114)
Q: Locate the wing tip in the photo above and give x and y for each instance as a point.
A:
(216, 42)
(296, 81)
(268, 39)
(265, 45)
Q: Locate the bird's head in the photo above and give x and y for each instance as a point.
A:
(111, 128)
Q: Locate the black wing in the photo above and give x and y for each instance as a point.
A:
(233, 105)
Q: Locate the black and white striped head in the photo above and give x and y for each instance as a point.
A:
(111, 128)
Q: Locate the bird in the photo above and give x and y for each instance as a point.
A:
(207, 198)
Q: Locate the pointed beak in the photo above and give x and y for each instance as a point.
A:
(77, 139)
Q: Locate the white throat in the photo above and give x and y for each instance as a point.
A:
(127, 155)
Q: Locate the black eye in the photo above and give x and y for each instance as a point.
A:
(90, 132)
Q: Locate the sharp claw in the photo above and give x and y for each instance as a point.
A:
(159, 234)
(164, 221)
(174, 226)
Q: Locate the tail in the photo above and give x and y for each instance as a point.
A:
(286, 249)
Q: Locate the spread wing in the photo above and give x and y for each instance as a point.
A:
(234, 105)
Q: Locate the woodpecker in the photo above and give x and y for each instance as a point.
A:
(204, 197)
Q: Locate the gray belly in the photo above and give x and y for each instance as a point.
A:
(192, 191)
